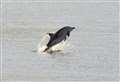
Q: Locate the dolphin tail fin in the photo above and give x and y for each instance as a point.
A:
(46, 49)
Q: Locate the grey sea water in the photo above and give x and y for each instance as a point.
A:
(92, 55)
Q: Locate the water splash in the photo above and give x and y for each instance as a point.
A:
(57, 48)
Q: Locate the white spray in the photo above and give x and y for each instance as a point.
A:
(42, 45)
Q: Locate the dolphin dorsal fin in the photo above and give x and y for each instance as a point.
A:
(51, 35)
(68, 33)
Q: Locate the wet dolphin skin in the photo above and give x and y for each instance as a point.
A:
(59, 36)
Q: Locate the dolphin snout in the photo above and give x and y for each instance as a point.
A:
(73, 27)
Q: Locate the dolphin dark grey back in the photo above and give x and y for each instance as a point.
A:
(59, 36)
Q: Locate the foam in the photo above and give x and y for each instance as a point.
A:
(58, 47)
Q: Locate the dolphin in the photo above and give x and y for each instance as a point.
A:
(59, 36)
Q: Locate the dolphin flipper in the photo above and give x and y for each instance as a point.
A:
(65, 39)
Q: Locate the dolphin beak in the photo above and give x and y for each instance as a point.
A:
(73, 27)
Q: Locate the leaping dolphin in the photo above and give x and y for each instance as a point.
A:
(59, 36)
